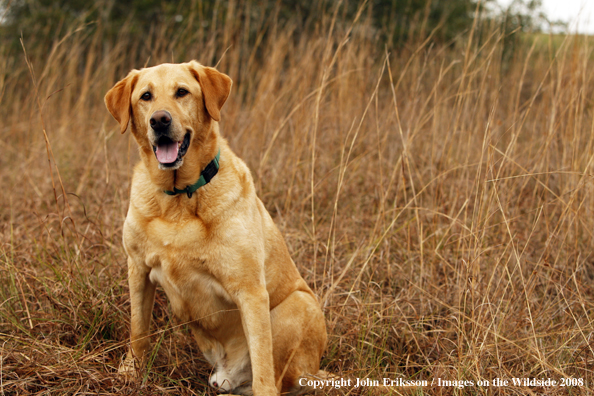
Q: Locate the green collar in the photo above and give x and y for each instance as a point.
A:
(205, 177)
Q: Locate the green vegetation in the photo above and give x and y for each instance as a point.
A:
(394, 22)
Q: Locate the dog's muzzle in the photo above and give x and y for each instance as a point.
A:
(168, 151)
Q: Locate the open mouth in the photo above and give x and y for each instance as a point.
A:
(169, 153)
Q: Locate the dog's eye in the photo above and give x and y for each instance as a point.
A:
(181, 93)
(146, 96)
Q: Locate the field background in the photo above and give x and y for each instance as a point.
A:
(436, 194)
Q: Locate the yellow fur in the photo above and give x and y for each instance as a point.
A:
(218, 255)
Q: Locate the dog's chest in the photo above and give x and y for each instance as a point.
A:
(180, 256)
(194, 296)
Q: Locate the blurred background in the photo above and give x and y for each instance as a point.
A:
(393, 21)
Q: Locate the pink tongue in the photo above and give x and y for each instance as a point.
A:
(167, 153)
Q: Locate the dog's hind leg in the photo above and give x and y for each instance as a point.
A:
(234, 371)
(299, 339)
(231, 362)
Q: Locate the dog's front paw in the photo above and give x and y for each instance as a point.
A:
(128, 367)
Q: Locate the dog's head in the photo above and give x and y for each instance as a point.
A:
(171, 107)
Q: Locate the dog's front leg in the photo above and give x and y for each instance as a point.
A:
(142, 297)
(254, 307)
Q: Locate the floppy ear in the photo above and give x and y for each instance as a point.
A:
(215, 85)
(118, 98)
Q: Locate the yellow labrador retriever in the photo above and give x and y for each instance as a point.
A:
(196, 227)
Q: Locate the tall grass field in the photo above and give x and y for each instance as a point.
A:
(437, 197)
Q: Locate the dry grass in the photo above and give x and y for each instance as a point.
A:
(439, 201)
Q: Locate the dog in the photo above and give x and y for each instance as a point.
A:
(196, 228)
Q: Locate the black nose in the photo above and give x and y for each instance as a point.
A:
(160, 119)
